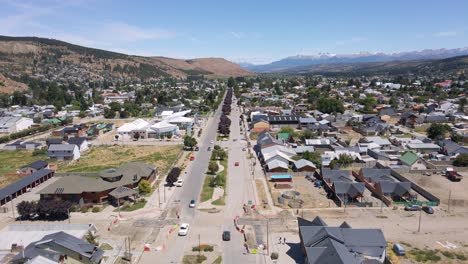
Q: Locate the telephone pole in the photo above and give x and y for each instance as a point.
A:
(419, 224)
(450, 196)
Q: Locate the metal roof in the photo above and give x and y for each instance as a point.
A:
(23, 183)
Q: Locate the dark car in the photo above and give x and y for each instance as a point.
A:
(413, 207)
(209, 149)
(197, 148)
(226, 236)
(428, 209)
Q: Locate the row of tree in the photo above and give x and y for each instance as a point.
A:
(173, 176)
(224, 125)
(44, 209)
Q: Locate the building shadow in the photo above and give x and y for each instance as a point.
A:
(295, 252)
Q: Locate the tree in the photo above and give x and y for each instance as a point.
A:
(173, 176)
(461, 160)
(91, 238)
(288, 130)
(369, 103)
(53, 209)
(169, 135)
(231, 82)
(144, 186)
(436, 131)
(314, 157)
(190, 142)
(308, 134)
(329, 105)
(26, 209)
(213, 167)
(82, 114)
(109, 113)
(343, 160)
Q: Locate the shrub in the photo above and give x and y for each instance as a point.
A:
(274, 255)
(96, 209)
(84, 209)
(144, 186)
(208, 248)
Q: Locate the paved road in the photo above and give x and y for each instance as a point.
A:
(193, 182)
(239, 192)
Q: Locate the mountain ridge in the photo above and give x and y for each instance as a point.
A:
(44, 56)
(328, 58)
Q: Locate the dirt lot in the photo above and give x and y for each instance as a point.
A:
(103, 157)
(441, 187)
(312, 196)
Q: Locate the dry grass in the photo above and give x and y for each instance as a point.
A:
(11, 161)
(103, 157)
(262, 195)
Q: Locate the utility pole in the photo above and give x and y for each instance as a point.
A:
(419, 224)
(68, 212)
(268, 236)
(199, 245)
(159, 197)
(450, 196)
(164, 188)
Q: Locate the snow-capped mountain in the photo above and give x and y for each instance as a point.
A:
(327, 58)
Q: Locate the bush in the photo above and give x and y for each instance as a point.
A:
(84, 209)
(274, 255)
(461, 160)
(38, 152)
(144, 186)
(96, 209)
(205, 248)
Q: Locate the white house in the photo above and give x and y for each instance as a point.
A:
(10, 124)
(64, 152)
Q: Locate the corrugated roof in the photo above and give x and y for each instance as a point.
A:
(23, 183)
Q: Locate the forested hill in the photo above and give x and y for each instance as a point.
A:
(59, 60)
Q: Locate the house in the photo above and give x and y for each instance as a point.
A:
(283, 121)
(265, 139)
(54, 141)
(413, 161)
(13, 124)
(81, 142)
(383, 183)
(410, 119)
(423, 147)
(341, 184)
(63, 152)
(57, 248)
(343, 244)
(97, 187)
(285, 138)
(304, 165)
(306, 121)
(35, 166)
(77, 130)
(388, 111)
(17, 145)
(300, 108)
(260, 125)
(452, 149)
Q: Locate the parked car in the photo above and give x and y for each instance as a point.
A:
(226, 236)
(236, 163)
(179, 183)
(413, 207)
(428, 210)
(398, 249)
(192, 204)
(243, 149)
(197, 148)
(212, 142)
(183, 229)
(209, 149)
(192, 158)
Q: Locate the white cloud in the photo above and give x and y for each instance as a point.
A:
(236, 35)
(446, 34)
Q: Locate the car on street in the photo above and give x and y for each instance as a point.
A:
(197, 148)
(179, 183)
(192, 158)
(208, 149)
(212, 142)
(243, 149)
(399, 250)
(413, 207)
(192, 204)
(428, 210)
(226, 236)
(183, 229)
(236, 163)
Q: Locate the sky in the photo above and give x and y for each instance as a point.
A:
(254, 31)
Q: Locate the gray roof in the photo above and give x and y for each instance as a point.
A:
(23, 183)
(352, 189)
(77, 140)
(56, 241)
(8, 121)
(267, 139)
(283, 119)
(376, 175)
(337, 175)
(77, 183)
(38, 164)
(62, 147)
(303, 162)
(303, 120)
(395, 188)
(302, 149)
(342, 244)
(122, 191)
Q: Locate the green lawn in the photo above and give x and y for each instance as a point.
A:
(105, 246)
(207, 190)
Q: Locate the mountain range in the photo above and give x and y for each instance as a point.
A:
(291, 64)
(59, 60)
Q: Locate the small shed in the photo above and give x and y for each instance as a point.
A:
(281, 178)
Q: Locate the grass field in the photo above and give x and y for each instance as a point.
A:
(11, 161)
(104, 157)
(207, 190)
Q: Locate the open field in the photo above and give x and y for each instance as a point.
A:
(11, 161)
(262, 194)
(103, 157)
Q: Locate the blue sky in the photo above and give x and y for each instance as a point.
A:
(254, 31)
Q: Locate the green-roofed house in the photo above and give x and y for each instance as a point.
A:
(101, 186)
(413, 161)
